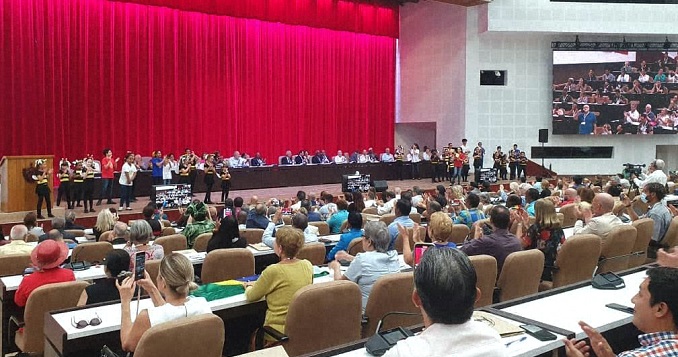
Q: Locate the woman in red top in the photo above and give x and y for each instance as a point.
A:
(107, 169)
(46, 258)
(459, 158)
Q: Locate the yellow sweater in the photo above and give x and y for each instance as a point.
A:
(279, 282)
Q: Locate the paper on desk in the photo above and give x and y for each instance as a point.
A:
(277, 351)
(260, 246)
(505, 329)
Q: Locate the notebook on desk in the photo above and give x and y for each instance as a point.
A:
(260, 247)
(505, 329)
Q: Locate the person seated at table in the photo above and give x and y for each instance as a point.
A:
(116, 261)
(598, 220)
(105, 222)
(388, 202)
(439, 230)
(17, 243)
(655, 315)
(70, 221)
(31, 222)
(652, 194)
(279, 282)
(120, 233)
(46, 259)
(445, 292)
(499, 244)
(402, 210)
(468, 212)
(59, 224)
(369, 266)
(197, 210)
(357, 203)
(256, 218)
(226, 236)
(140, 234)
(170, 299)
(287, 159)
(355, 224)
(148, 213)
(313, 215)
(545, 234)
(337, 218)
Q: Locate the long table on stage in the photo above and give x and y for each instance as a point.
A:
(248, 178)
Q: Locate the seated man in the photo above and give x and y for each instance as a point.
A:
(148, 213)
(531, 196)
(445, 291)
(198, 211)
(355, 224)
(403, 207)
(653, 194)
(299, 220)
(599, 220)
(389, 198)
(70, 221)
(387, 156)
(655, 314)
(655, 174)
(569, 196)
(120, 233)
(499, 244)
(46, 258)
(287, 159)
(59, 224)
(256, 218)
(17, 244)
(337, 218)
(471, 213)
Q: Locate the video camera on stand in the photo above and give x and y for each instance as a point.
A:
(632, 169)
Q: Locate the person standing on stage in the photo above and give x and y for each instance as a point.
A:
(41, 178)
(77, 186)
(65, 184)
(522, 164)
(448, 159)
(437, 167)
(88, 186)
(127, 176)
(514, 160)
(168, 165)
(415, 158)
(184, 171)
(225, 183)
(107, 169)
(399, 158)
(157, 167)
(210, 172)
(496, 159)
(478, 157)
(191, 160)
(502, 167)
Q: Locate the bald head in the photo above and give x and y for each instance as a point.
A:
(18, 232)
(570, 193)
(55, 234)
(602, 203)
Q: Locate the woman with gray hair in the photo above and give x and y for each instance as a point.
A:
(369, 266)
(140, 233)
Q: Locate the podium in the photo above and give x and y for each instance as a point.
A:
(17, 194)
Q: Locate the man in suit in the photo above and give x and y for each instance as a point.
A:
(287, 159)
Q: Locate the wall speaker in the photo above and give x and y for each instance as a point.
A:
(543, 135)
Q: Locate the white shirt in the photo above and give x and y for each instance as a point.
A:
(414, 155)
(656, 176)
(131, 168)
(643, 79)
(167, 169)
(192, 307)
(465, 149)
(426, 156)
(339, 160)
(632, 116)
(233, 162)
(469, 339)
(387, 207)
(363, 158)
(623, 78)
(387, 157)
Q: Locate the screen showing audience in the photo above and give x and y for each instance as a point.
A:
(614, 93)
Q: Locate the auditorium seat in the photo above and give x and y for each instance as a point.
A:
(399, 239)
(323, 228)
(312, 307)
(14, 264)
(569, 212)
(486, 273)
(387, 218)
(167, 231)
(644, 228)
(520, 275)
(355, 247)
(252, 235)
(391, 292)
(172, 243)
(671, 238)
(166, 223)
(200, 244)
(576, 261)
(91, 252)
(370, 210)
(46, 298)
(313, 252)
(225, 264)
(75, 232)
(416, 217)
(152, 268)
(184, 337)
(30, 237)
(106, 236)
(616, 248)
(459, 233)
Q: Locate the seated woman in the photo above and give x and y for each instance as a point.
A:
(227, 236)
(104, 290)
(155, 224)
(355, 224)
(545, 234)
(439, 230)
(279, 282)
(140, 234)
(105, 222)
(31, 222)
(377, 260)
(170, 299)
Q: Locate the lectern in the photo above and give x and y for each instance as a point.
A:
(17, 194)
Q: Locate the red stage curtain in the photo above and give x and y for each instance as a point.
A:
(374, 17)
(81, 75)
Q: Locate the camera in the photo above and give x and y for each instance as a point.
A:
(632, 169)
(123, 274)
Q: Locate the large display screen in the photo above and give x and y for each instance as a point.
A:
(614, 93)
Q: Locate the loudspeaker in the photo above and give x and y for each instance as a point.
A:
(380, 185)
(543, 135)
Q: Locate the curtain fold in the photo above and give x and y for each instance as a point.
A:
(82, 75)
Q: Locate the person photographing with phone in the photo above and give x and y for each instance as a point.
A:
(439, 230)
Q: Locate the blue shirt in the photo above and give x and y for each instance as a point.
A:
(405, 221)
(586, 123)
(469, 216)
(337, 220)
(344, 241)
(157, 171)
(530, 209)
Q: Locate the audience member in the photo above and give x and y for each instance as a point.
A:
(120, 233)
(105, 222)
(655, 315)
(70, 220)
(170, 299)
(531, 196)
(227, 236)
(103, 290)
(545, 234)
(279, 282)
(148, 213)
(256, 218)
(569, 196)
(403, 207)
(337, 218)
(439, 230)
(653, 194)
(17, 243)
(468, 211)
(355, 224)
(140, 234)
(59, 224)
(31, 222)
(445, 292)
(198, 212)
(599, 220)
(499, 244)
(389, 200)
(655, 174)
(46, 259)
